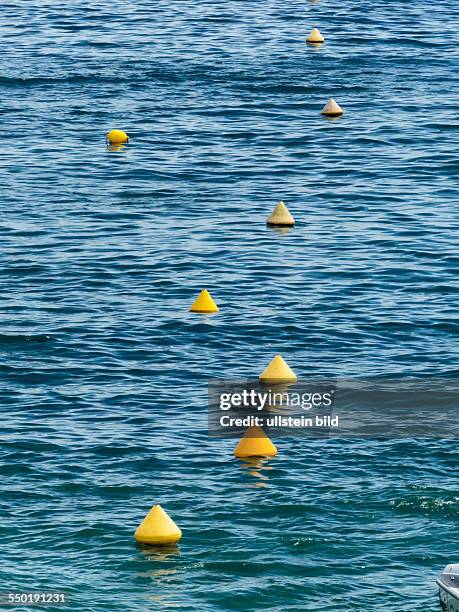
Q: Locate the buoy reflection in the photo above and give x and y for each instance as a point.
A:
(282, 231)
(257, 468)
(159, 553)
(114, 148)
(332, 118)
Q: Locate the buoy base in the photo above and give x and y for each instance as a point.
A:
(278, 381)
(203, 311)
(240, 455)
(158, 542)
(279, 224)
(157, 528)
(332, 114)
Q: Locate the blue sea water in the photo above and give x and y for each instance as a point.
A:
(102, 369)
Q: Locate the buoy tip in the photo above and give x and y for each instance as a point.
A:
(281, 216)
(278, 372)
(332, 109)
(315, 37)
(157, 528)
(204, 303)
(255, 443)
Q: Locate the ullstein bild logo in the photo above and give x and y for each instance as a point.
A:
(377, 408)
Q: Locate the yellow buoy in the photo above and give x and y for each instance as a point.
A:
(204, 303)
(255, 443)
(117, 137)
(278, 372)
(281, 217)
(332, 109)
(315, 37)
(157, 528)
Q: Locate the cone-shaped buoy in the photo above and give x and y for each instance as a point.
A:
(332, 109)
(157, 528)
(117, 137)
(281, 217)
(278, 372)
(255, 443)
(315, 37)
(204, 303)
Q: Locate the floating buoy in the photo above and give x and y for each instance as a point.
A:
(281, 217)
(315, 37)
(255, 443)
(332, 109)
(204, 303)
(278, 372)
(117, 137)
(157, 528)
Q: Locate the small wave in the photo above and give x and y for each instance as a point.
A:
(430, 506)
(6, 339)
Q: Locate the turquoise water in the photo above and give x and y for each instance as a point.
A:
(102, 369)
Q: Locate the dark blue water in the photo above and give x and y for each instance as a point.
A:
(102, 369)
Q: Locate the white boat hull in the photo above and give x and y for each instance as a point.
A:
(448, 584)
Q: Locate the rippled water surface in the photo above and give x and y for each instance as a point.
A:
(102, 369)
